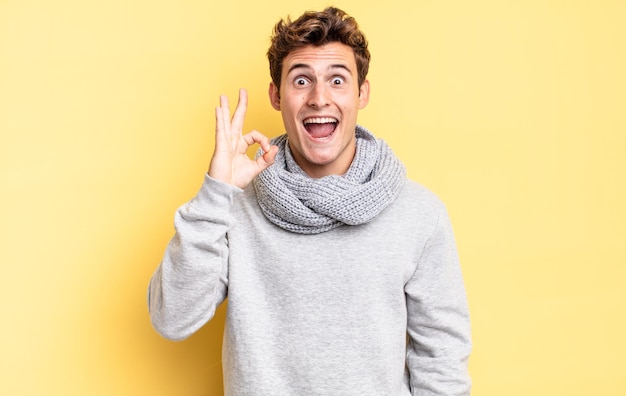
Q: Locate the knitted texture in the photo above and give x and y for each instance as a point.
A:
(298, 203)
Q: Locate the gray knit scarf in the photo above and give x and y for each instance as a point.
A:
(301, 204)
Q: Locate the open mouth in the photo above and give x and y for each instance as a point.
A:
(320, 127)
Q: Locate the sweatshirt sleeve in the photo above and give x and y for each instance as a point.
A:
(438, 319)
(192, 279)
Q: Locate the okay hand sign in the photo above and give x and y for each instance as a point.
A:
(230, 163)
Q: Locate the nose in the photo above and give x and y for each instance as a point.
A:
(319, 96)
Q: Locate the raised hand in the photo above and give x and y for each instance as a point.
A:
(230, 163)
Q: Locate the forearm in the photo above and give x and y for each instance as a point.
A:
(438, 321)
(192, 279)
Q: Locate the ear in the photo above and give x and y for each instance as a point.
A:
(364, 94)
(274, 96)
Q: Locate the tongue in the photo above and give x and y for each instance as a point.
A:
(319, 131)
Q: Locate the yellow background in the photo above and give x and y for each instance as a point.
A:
(512, 111)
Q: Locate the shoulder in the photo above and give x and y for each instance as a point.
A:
(416, 197)
(414, 214)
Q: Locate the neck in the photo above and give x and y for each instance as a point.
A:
(339, 166)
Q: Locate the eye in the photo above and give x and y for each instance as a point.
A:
(300, 81)
(337, 81)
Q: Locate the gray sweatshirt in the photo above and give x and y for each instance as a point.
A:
(373, 309)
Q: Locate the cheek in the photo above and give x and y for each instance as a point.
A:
(349, 102)
(295, 105)
(349, 107)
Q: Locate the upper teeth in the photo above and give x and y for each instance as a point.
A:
(319, 120)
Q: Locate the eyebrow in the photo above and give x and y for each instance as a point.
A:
(306, 66)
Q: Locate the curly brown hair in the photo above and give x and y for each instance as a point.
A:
(317, 28)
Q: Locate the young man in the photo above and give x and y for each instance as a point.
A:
(342, 276)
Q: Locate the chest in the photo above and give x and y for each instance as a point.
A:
(376, 258)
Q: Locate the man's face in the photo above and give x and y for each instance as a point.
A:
(319, 100)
